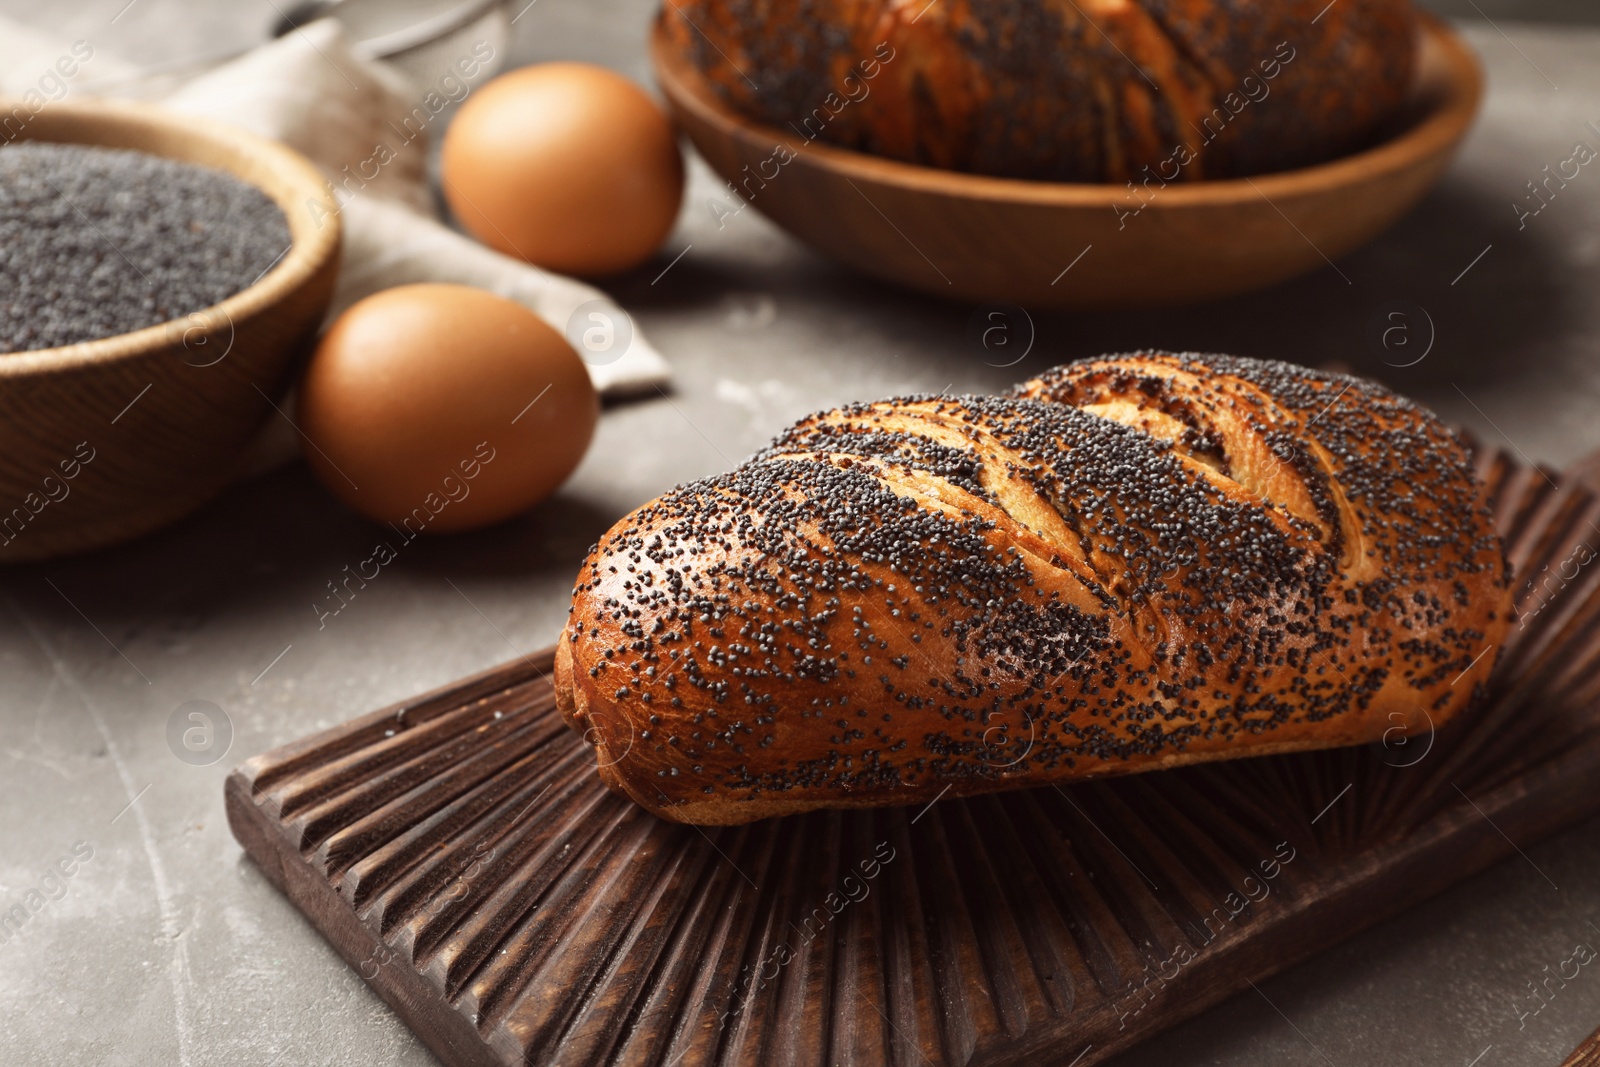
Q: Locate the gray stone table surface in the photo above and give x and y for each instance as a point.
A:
(169, 947)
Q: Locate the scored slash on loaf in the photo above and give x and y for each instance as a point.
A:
(1128, 564)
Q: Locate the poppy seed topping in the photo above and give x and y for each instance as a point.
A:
(1129, 563)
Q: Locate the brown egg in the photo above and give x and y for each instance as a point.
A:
(442, 407)
(565, 165)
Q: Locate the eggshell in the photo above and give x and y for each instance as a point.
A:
(443, 407)
(565, 165)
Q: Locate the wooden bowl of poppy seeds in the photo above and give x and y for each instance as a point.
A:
(159, 275)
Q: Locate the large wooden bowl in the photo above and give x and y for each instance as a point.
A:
(162, 414)
(975, 238)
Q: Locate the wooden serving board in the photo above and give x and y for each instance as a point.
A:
(460, 852)
(1587, 1054)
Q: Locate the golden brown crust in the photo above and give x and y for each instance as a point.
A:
(1063, 90)
(1131, 563)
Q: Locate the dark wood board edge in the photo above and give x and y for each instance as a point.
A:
(446, 1032)
(1413, 870)
(1586, 1054)
(284, 758)
(1349, 893)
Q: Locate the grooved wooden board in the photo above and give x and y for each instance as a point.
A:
(460, 852)
(1586, 1054)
